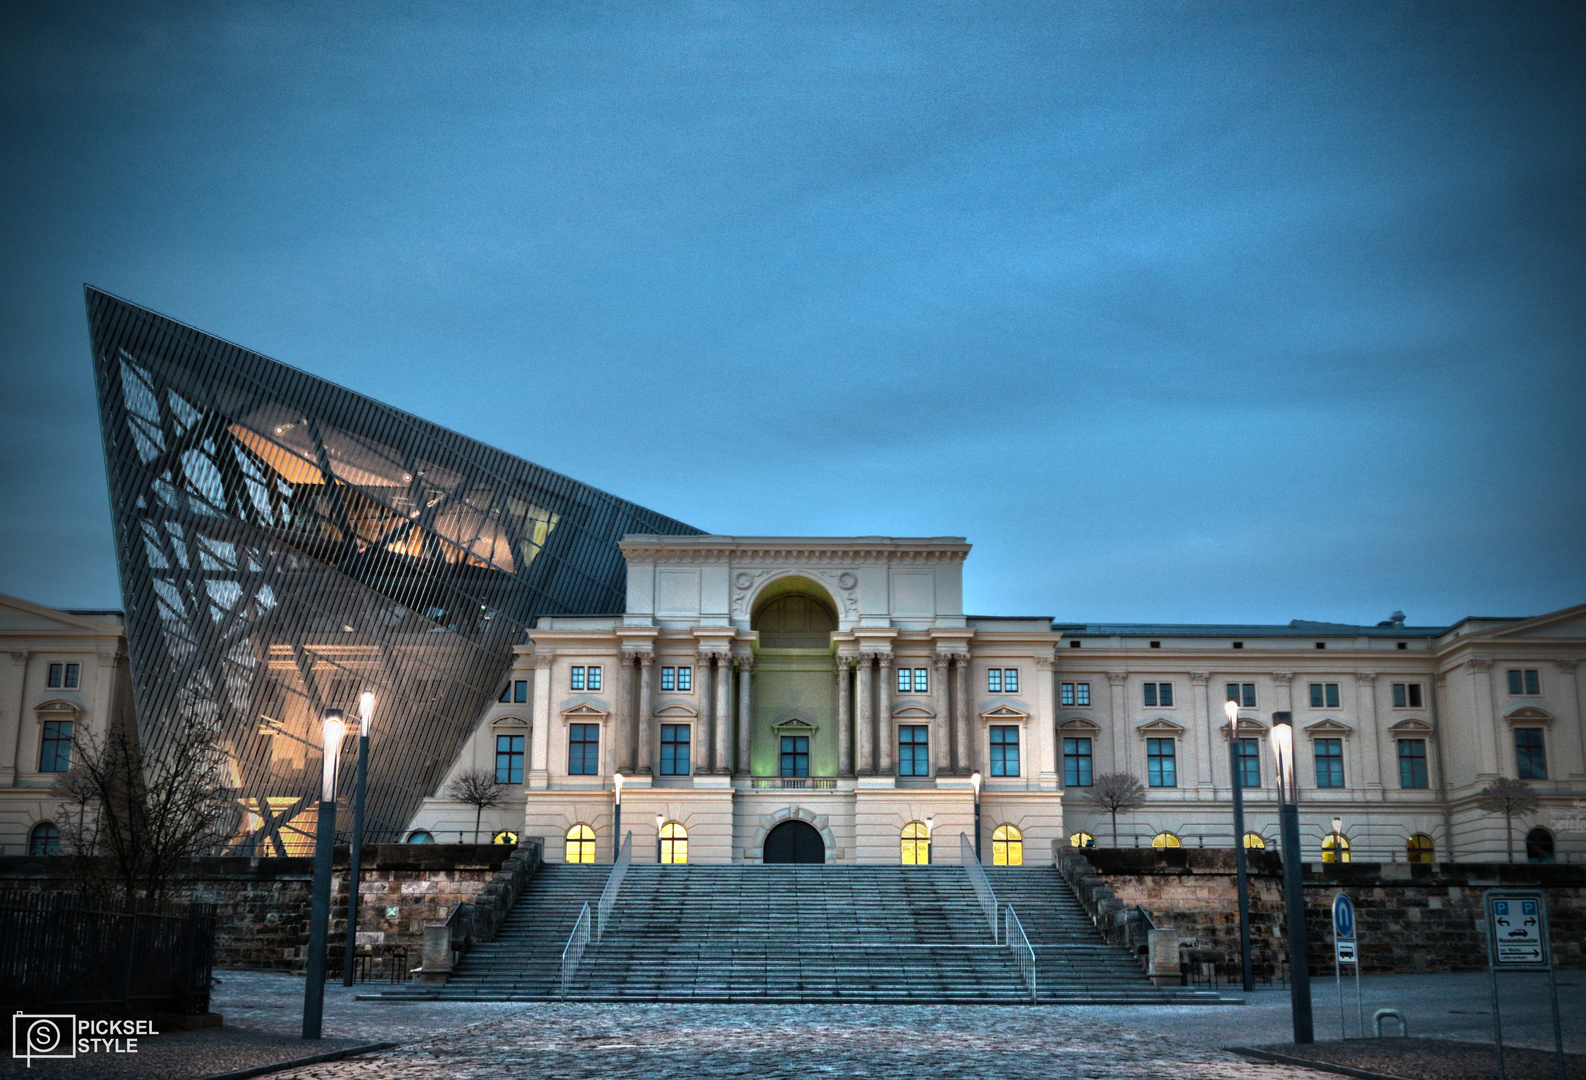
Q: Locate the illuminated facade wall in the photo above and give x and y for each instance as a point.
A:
(285, 544)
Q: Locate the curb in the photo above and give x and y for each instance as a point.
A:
(1320, 1066)
(298, 1063)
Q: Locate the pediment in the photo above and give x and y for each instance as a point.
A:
(1411, 726)
(677, 710)
(22, 616)
(794, 726)
(1565, 624)
(913, 712)
(57, 708)
(1328, 727)
(1247, 726)
(1079, 723)
(1004, 712)
(1529, 714)
(510, 722)
(584, 711)
(1160, 726)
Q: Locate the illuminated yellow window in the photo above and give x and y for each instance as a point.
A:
(1165, 839)
(1007, 846)
(1255, 840)
(1335, 848)
(580, 844)
(674, 844)
(1419, 848)
(505, 836)
(916, 844)
(1081, 839)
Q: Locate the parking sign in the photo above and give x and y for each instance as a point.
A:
(1517, 930)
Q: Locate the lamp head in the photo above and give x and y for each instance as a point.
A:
(333, 728)
(616, 783)
(1283, 748)
(365, 711)
(1338, 826)
(660, 820)
(1231, 710)
(974, 779)
(930, 824)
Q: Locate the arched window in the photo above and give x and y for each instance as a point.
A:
(1419, 848)
(1335, 848)
(1254, 841)
(916, 844)
(1539, 846)
(45, 839)
(580, 844)
(674, 844)
(505, 836)
(420, 836)
(1081, 840)
(1007, 846)
(1165, 839)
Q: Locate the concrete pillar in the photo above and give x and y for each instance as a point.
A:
(1494, 757)
(941, 731)
(1371, 764)
(1044, 722)
(1118, 720)
(1200, 698)
(964, 735)
(865, 722)
(845, 759)
(540, 737)
(886, 739)
(705, 740)
(1572, 725)
(723, 755)
(623, 735)
(648, 750)
(745, 682)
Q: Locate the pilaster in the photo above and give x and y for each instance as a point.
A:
(1200, 700)
(886, 738)
(539, 776)
(1370, 755)
(865, 722)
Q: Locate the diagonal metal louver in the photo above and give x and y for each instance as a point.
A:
(285, 544)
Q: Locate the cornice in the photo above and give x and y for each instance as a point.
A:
(781, 550)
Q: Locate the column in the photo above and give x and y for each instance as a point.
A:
(1118, 728)
(540, 737)
(1044, 722)
(886, 738)
(745, 729)
(1200, 682)
(865, 723)
(1370, 756)
(622, 733)
(845, 758)
(941, 730)
(964, 734)
(1495, 758)
(1572, 726)
(705, 737)
(11, 771)
(723, 754)
(647, 750)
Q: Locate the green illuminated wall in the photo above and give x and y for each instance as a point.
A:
(792, 683)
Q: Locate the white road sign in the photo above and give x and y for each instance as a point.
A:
(1516, 925)
(1344, 951)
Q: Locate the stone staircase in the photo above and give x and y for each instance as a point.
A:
(784, 934)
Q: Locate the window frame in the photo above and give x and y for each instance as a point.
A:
(56, 743)
(799, 754)
(50, 841)
(575, 677)
(916, 752)
(1242, 694)
(1008, 849)
(1525, 682)
(577, 735)
(1323, 753)
(1083, 762)
(1415, 762)
(1530, 757)
(1158, 695)
(999, 745)
(994, 680)
(52, 678)
(670, 768)
(1325, 696)
(1248, 754)
(1161, 761)
(1407, 695)
(513, 755)
(74, 677)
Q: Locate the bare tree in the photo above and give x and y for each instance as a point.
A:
(147, 812)
(480, 789)
(1508, 797)
(1114, 792)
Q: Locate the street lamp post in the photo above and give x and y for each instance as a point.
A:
(974, 780)
(1293, 885)
(365, 711)
(332, 731)
(660, 823)
(930, 824)
(616, 837)
(1236, 778)
(1338, 840)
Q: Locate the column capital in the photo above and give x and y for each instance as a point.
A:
(543, 661)
(1046, 663)
(884, 659)
(1200, 678)
(745, 662)
(636, 656)
(1480, 663)
(1567, 664)
(20, 656)
(1283, 678)
(646, 659)
(1117, 678)
(1365, 678)
(942, 660)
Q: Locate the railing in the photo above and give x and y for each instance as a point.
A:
(977, 878)
(1023, 953)
(577, 942)
(608, 895)
(798, 783)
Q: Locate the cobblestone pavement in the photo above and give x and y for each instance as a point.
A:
(766, 1042)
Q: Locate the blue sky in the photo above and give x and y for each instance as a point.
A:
(1179, 312)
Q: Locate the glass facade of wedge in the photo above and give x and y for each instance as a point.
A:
(286, 544)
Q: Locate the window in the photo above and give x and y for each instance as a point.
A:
(1239, 644)
(1335, 848)
(580, 844)
(1249, 763)
(1242, 694)
(505, 836)
(1076, 762)
(1161, 770)
(1412, 763)
(516, 691)
(913, 680)
(674, 749)
(1324, 695)
(674, 844)
(1073, 644)
(1406, 695)
(1081, 840)
(55, 750)
(916, 846)
(583, 750)
(585, 678)
(1321, 644)
(795, 755)
(1159, 693)
(1002, 680)
(1521, 682)
(914, 758)
(1007, 846)
(679, 679)
(1076, 693)
(1165, 840)
(45, 839)
(72, 673)
(1419, 848)
(922, 684)
(1329, 762)
(577, 682)
(56, 669)
(1529, 753)
(1539, 846)
(420, 836)
(1004, 750)
(1156, 645)
(1255, 841)
(509, 759)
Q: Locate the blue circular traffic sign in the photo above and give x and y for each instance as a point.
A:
(1343, 916)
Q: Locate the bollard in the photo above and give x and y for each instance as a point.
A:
(436, 966)
(1389, 1014)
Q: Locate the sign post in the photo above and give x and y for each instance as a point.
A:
(1346, 952)
(1517, 940)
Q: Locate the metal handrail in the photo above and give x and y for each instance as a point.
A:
(977, 878)
(574, 952)
(1150, 924)
(608, 895)
(1023, 951)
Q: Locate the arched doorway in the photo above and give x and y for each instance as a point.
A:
(1539, 846)
(794, 842)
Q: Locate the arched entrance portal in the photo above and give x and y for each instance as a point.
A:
(794, 842)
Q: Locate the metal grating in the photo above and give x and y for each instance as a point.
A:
(285, 544)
